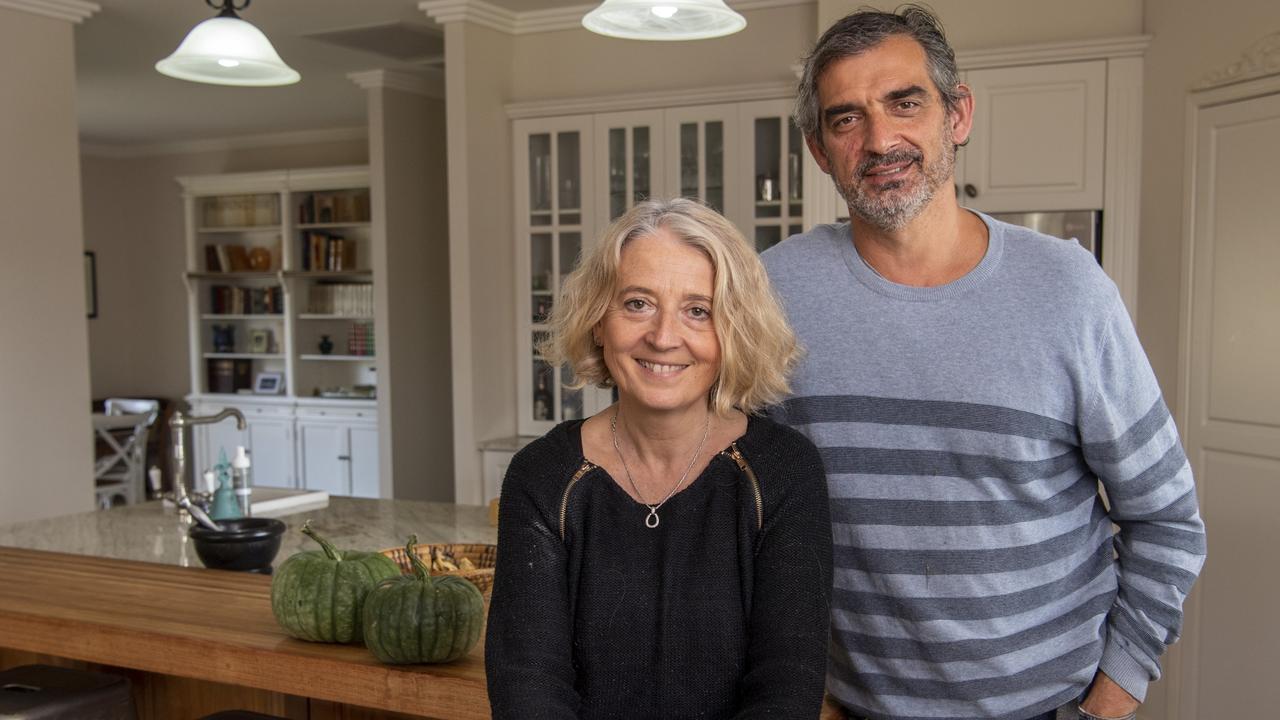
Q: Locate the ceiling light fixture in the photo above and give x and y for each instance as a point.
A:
(226, 50)
(663, 19)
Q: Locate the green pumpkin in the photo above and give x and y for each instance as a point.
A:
(318, 595)
(422, 619)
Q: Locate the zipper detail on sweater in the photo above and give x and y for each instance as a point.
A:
(564, 501)
(736, 454)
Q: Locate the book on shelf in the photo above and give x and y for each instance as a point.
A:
(360, 339)
(229, 300)
(224, 259)
(324, 251)
(238, 255)
(211, 261)
(227, 376)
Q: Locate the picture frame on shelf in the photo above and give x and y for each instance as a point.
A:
(260, 340)
(268, 383)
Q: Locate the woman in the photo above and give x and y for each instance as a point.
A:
(669, 557)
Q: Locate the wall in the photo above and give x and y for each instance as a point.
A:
(407, 171)
(579, 64)
(133, 222)
(478, 64)
(980, 24)
(44, 367)
(1187, 43)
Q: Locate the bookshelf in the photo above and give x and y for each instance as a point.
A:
(280, 283)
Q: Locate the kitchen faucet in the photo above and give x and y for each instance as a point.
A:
(177, 428)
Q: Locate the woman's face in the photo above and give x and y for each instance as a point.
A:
(658, 335)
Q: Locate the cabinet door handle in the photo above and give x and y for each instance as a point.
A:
(344, 457)
(971, 190)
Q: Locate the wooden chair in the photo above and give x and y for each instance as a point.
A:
(120, 475)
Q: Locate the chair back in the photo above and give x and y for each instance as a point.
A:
(133, 406)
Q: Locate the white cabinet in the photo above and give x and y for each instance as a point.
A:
(742, 159)
(338, 451)
(1038, 139)
(280, 281)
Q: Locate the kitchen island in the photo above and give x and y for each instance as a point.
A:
(123, 591)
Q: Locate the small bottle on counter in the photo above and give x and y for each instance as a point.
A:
(240, 480)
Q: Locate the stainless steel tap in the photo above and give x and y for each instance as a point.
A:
(178, 425)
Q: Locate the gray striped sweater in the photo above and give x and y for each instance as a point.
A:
(964, 429)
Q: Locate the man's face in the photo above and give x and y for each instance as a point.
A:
(886, 137)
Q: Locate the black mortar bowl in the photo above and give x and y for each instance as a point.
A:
(248, 544)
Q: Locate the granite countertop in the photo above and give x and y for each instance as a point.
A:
(150, 532)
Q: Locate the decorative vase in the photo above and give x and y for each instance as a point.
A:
(326, 345)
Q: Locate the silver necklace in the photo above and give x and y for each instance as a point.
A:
(651, 520)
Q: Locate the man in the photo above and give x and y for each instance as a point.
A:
(969, 384)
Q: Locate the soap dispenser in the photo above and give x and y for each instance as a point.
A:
(240, 480)
(225, 506)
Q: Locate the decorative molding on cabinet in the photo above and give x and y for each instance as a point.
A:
(428, 83)
(648, 101)
(550, 20)
(75, 11)
(1258, 60)
(1116, 47)
(243, 142)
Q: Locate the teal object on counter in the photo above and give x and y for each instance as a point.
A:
(225, 506)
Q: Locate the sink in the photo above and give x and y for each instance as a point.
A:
(278, 502)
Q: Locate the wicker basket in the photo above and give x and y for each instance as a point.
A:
(484, 557)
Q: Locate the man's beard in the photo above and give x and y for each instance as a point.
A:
(892, 205)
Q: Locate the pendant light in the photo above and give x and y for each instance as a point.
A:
(663, 19)
(226, 50)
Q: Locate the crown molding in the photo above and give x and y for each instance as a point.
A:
(428, 83)
(477, 12)
(550, 20)
(1257, 61)
(648, 101)
(242, 142)
(76, 11)
(1102, 48)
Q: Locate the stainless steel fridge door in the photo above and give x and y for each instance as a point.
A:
(1084, 226)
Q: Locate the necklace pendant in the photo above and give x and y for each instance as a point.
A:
(651, 521)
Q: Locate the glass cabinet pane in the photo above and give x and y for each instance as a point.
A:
(540, 274)
(640, 164)
(540, 178)
(617, 172)
(568, 152)
(768, 146)
(570, 248)
(715, 165)
(795, 170)
(689, 160)
(767, 236)
(543, 406)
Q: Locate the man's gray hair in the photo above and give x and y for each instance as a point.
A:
(864, 29)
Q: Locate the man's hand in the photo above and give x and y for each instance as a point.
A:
(1106, 699)
(830, 710)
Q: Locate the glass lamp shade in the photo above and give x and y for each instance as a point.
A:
(228, 51)
(663, 19)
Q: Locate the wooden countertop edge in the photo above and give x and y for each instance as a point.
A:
(342, 674)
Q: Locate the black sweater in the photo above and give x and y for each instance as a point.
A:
(720, 612)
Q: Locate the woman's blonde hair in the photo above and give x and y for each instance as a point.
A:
(757, 347)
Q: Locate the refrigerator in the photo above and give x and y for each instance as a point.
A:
(1084, 226)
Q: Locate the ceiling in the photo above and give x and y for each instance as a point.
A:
(124, 103)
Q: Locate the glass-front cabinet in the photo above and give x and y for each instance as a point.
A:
(575, 175)
(774, 146)
(629, 146)
(555, 213)
(703, 163)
